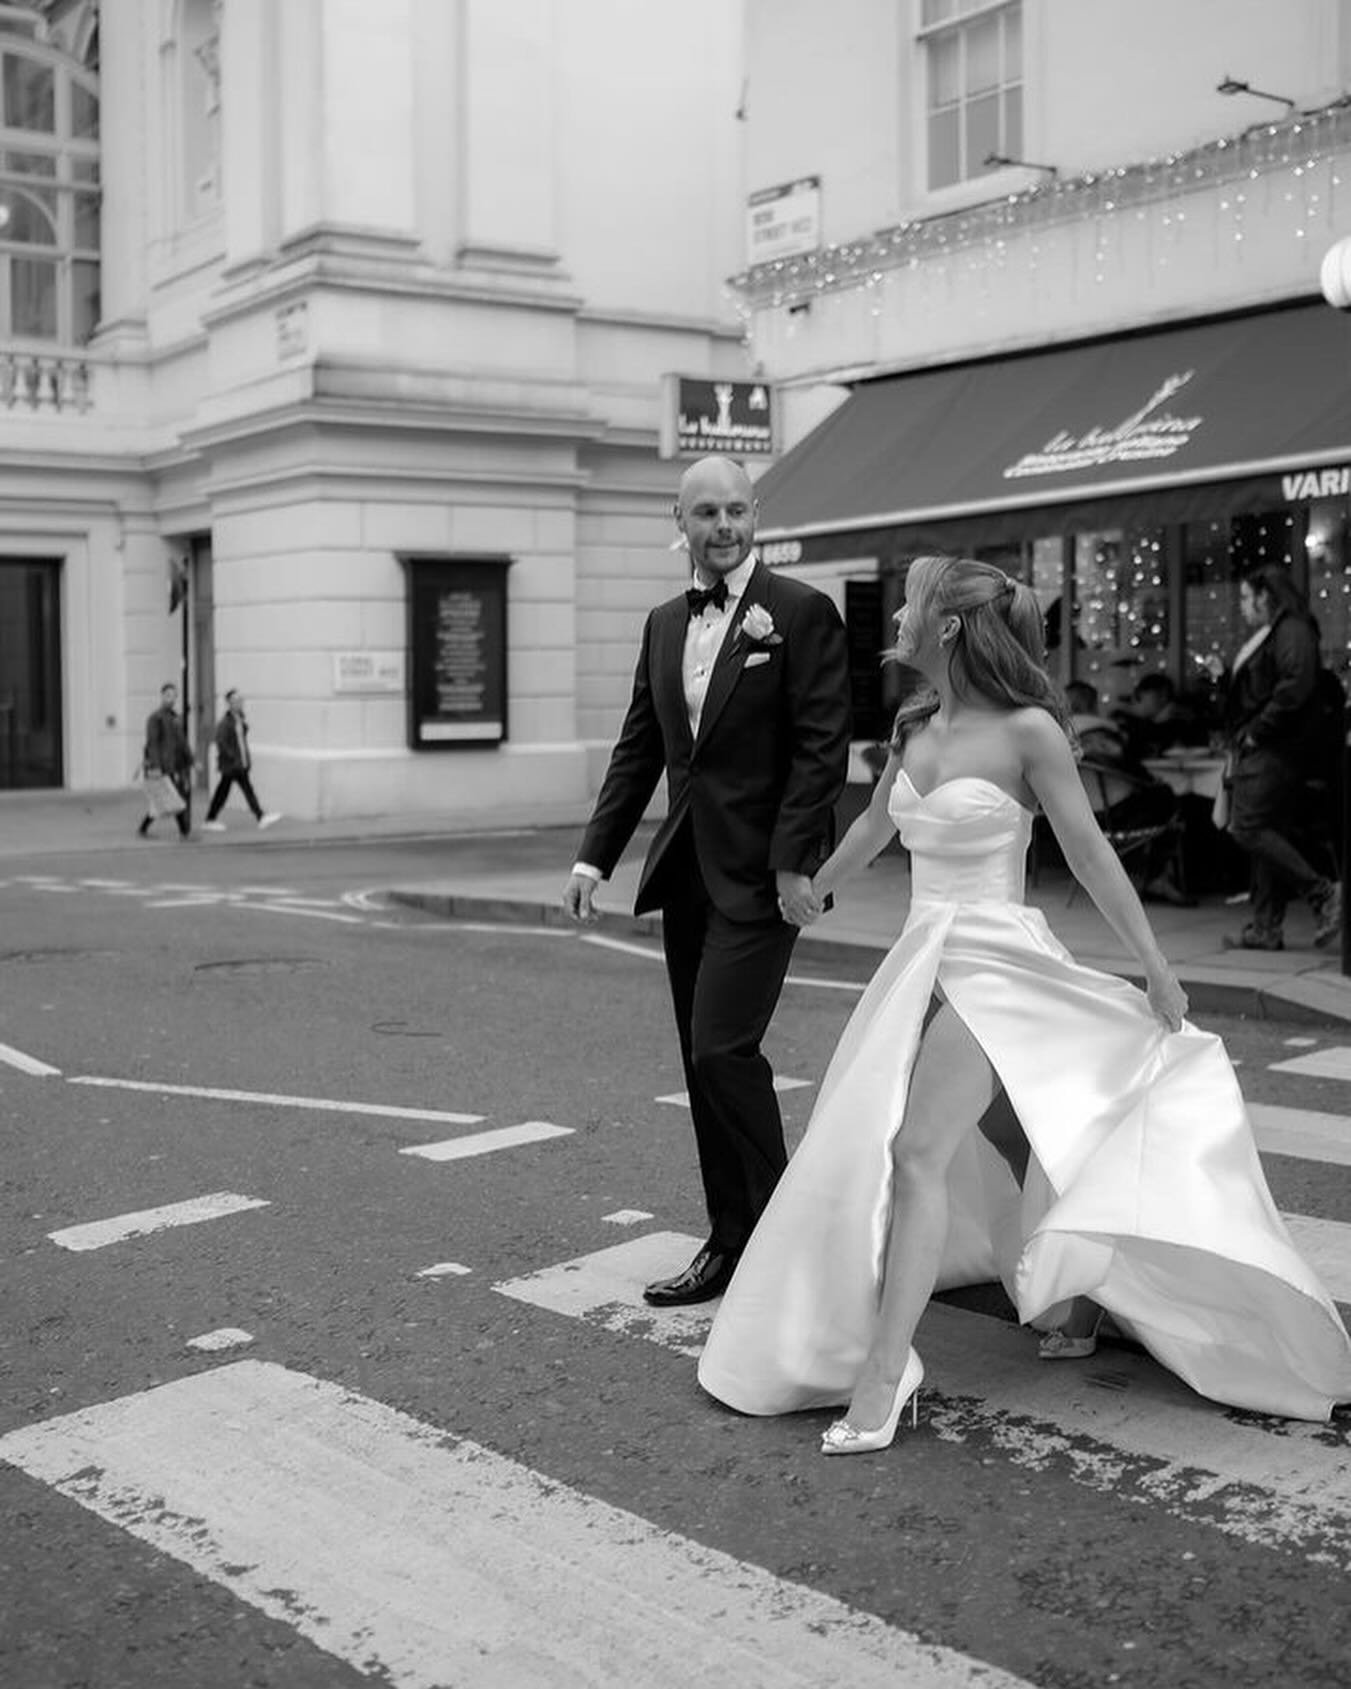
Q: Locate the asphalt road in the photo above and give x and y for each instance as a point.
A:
(551, 1497)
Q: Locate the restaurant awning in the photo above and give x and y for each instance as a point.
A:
(1256, 395)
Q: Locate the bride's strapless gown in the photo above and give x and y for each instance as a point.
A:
(1144, 1189)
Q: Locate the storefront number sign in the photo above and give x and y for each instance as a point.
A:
(457, 647)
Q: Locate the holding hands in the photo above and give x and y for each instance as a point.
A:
(798, 901)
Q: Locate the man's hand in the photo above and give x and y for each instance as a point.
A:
(797, 901)
(579, 898)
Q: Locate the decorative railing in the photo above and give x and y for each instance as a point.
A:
(43, 381)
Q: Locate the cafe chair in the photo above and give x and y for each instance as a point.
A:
(1143, 822)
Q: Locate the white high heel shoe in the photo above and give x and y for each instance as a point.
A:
(843, 1438)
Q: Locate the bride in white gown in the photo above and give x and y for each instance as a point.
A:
(1142, 1189)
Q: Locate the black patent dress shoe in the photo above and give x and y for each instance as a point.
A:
(707, 1276)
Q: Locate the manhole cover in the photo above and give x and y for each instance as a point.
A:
(69, 954)
(262, 965)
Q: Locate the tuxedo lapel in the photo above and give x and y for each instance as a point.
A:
(668, 679)
(731, 655)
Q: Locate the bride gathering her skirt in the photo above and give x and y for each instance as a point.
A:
(1143, 1189)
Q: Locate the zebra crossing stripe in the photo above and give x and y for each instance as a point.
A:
(1118, 1423)
(97, 1234)
(1334, 1062)
(423, 1559)
(1304, 1133)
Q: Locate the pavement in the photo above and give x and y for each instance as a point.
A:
(509, 867)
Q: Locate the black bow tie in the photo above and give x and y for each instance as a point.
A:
(699, 598)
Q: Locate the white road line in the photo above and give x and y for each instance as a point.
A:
(445, 1269)
(1300, 1043)
(1301, 1132)
(626, 1217)
(105, 885)
(681, 1099)
(271, 1099)
(97, 1234)
(224, 1337)
(485, 1143)
(1118, 1423)
(53, 885)
(623, 947)
(1326, 1246)
(268, 891)
(424, 1560)
(203, 900)
(27, 1064)
(296, 902)
(290, 909)
(1331, 1063)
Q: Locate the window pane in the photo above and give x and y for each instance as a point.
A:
(26, 221)
(32, 291)
(29, 164)
(86, 222)
(945, 70)
(84, 114)
(945, 147)
(1013, 122)
(86, 301)
(982, 133)
(84, 169)
(29, 95)
(982, 55)
(1013, 44)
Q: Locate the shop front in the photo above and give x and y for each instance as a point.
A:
(1130, 482)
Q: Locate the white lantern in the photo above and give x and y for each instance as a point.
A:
(1334, 274)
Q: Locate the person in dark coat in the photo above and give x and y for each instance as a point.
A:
(233, 763)
(1271, 718)
(167, 755)
(741, 698)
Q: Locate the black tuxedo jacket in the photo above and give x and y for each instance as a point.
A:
(759, 784)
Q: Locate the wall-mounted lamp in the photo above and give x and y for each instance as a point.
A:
(992, 158)
(1231, 85)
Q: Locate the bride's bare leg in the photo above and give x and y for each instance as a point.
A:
(951, 1087)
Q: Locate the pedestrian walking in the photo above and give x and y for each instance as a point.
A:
(233, 763)
(1271, 718)
(741, 697)
(166, 766)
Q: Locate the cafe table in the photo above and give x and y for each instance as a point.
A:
(1190, 773)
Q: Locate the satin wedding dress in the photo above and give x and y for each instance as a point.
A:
(1143, 1188)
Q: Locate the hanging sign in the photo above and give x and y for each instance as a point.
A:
(700, 416)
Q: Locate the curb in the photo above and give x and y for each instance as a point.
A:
(1288, 1000)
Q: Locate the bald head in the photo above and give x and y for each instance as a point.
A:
(715, 510)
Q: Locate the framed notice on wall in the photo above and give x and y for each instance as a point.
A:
(457, 651)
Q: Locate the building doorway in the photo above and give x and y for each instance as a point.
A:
(30, 674)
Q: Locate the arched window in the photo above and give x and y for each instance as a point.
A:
(49, 183)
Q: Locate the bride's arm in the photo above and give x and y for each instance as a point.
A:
(867, 835)
(1050, 771)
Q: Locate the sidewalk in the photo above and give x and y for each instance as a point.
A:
(510, 867)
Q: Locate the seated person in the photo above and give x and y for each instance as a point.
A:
(1098, 738)
(1155, 719)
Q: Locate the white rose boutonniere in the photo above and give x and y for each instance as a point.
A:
(758, 626)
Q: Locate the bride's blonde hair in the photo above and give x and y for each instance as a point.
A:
(999, 652)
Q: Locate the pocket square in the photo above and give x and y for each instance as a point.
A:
(757, 657)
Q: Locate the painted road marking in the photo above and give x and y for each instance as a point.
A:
(290, 909)
(97, 1234)
(224, 1337)
(422, 1559)
(606, 1289)
(651, 954)
(626, 1216)
(323, 1105)
(1301, 1132)
(1300, 1043)
(445, 1269)
(1326, 1246)
(681, 1099)
(484, 1143)
(1118, 1423)
(1331, 1063)
(27, 1064)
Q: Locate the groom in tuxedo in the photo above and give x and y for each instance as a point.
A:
(741, 697)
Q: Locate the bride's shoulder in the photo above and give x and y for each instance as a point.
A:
(1036, 731)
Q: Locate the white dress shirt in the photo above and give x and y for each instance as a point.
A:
(703, 641)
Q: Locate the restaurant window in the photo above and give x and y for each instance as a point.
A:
(49, 193)
(1119, 610)
(1329, 582)
(974, 85)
